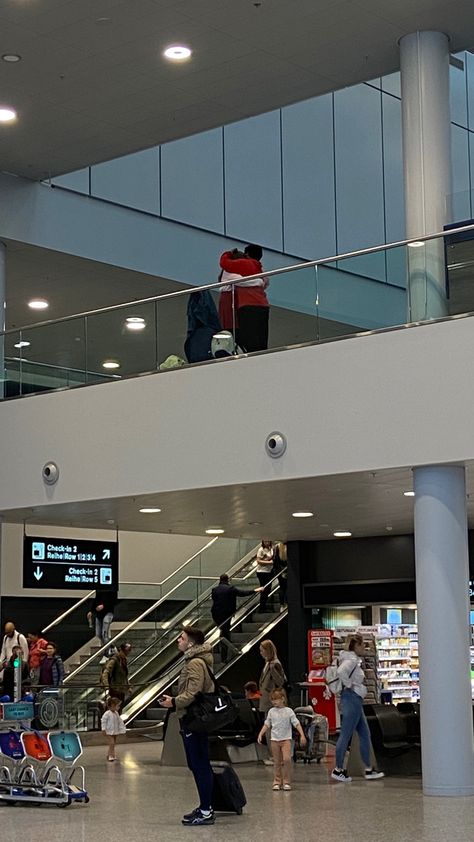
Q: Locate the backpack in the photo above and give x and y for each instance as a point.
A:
(334, 685)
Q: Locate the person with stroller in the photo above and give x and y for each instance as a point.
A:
(353, 717)
(279, 721)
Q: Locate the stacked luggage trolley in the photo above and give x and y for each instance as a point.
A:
(38, 767)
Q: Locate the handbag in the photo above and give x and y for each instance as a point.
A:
(210, 711)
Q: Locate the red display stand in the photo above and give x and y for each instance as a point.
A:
(320, 654)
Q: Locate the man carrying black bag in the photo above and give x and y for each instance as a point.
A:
(195, 678)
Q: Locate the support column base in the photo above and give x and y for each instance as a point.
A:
(453, 792)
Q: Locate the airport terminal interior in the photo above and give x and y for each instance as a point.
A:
(236, 291)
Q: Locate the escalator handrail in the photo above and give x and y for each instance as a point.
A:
(121, 634)
(155, 584)
(168, 678)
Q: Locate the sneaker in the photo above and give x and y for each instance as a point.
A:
(197, 817)
(276, 787)
(268, 761)
(373, 774)
(287, 787)
(341, 775)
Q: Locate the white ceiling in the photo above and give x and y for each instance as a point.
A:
(92, 83)
(364, 504)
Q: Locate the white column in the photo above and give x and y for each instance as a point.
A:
(424, 68)
(3, 292)
(442, 590)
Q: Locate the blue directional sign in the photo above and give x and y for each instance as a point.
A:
(66, 564)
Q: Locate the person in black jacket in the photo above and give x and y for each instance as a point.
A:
(102, 610)
(224, 605)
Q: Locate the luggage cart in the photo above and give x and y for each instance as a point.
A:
(31, 771)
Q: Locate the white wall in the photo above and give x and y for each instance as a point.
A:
(143, 556)
(398, 398)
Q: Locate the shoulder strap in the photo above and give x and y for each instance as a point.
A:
(208, 670)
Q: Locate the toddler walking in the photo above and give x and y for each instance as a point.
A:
(279, 721)
(112, 724)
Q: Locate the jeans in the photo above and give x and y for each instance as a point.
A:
(264, 580)
(102, 627)
(352, 719)
(196, 747)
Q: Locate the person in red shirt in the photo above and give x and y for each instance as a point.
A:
(252, 302)
(37, 651)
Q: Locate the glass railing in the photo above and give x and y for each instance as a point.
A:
(71, 632)
(153, 638)
(371, 289)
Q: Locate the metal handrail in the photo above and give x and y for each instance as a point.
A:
(170, 674)
(308, 264)
(160, 584)
(103, 649)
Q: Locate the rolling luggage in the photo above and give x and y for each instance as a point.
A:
(228, 795)
(316, 731)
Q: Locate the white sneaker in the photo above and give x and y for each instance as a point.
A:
(268, 762)
(373, 775)
(341, 775)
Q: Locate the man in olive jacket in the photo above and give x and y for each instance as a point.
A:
(195, 678)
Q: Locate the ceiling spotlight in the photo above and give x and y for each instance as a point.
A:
(342, 534)
(7, 115)
(22, 344)
(111, 364)
(177, 52)
(408, 493)
(11, 58)
(149, 510)
(135, 323)
(214, 531)
(38, 304)
(302, 514)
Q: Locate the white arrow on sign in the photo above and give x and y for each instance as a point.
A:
(105, 555)
(38, 574)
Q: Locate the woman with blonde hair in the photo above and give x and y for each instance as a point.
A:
(353, 717)
(273, 675)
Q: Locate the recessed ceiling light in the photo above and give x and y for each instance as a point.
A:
(214, 531)
(7, 115)
(255, 522)
(22, 344)
(111, 364)
(38, 304)
(408, 493)
(11, 58)
(302, 514)
(177, 52)
(342, 534)
(135, 323)
(149, 510)
(416, 244)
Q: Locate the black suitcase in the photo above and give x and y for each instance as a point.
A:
(228, 795)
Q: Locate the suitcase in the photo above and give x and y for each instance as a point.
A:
(316, 730)
(228, 795)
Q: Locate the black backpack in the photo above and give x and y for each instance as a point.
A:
(209, 712)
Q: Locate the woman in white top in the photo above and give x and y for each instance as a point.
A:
(264, 571)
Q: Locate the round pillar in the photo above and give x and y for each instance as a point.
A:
(442, 589)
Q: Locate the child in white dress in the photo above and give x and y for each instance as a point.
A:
(112, 724)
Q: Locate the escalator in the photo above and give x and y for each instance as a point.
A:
(153, 636)
(249, 627)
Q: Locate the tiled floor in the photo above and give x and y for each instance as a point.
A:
(138, 800)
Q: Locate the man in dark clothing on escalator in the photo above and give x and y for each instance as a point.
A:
(224, 605)
(102, 611)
